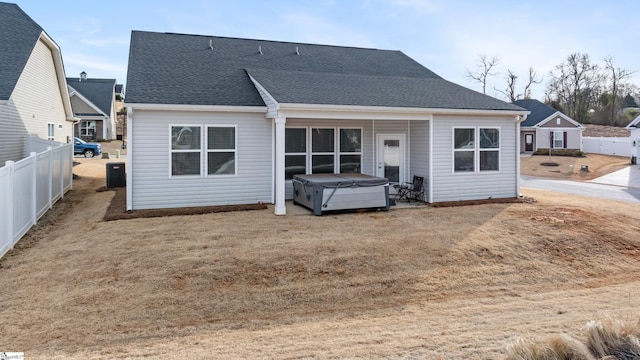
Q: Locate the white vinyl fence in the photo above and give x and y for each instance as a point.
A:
(30, 187)
(619, 146)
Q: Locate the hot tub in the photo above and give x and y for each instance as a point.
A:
(327, 192)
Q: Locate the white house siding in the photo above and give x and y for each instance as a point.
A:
(419, 150)
(35, 102)
(450, 186)
(367, 141)
(152, 185)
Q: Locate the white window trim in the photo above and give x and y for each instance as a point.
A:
(171, 151)
(476, 150)
(562, 145)
(51, 131)
(336, 146)
(205, 147)
(307, 148)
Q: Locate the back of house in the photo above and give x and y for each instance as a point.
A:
(218, 121)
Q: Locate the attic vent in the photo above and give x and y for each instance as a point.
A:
(211, 44)
(83, 76)
(260, 49)
(297, 52)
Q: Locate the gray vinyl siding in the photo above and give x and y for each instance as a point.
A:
(81, 107)
(450, 186)
(419, 150)
(36, 101)
(367, 141)
(149, 161)
(574, 137)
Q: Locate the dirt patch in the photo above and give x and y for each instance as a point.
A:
(117, 209)
(568, 168)
(605, 131)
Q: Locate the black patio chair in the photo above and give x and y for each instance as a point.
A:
(411, 190)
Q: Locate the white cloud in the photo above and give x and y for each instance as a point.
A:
(97, 67)
(420, 6)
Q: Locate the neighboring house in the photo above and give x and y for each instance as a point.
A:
(634, 129)
(33, 94)
(216, 121)
(547, 128)
(94, 104)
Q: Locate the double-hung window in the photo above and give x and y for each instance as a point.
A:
(316, 150)
(476, 149)
(295, 148)
(558, 139)
(186, 150)
(51, 131)
(221, 150)
(192, 154)
(350, 150)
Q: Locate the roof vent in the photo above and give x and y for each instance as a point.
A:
(83, 76)
(260, 49)
(211, 44)
(297, 51)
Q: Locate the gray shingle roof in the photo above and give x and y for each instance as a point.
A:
(169, 68)
(18, 36)
(99, 91)
(539, 111)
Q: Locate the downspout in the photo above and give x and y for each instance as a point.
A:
(129, 172)
(430, 199)
(518, 120)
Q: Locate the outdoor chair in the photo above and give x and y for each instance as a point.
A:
(410, 190)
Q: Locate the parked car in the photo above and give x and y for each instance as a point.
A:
(88, 149)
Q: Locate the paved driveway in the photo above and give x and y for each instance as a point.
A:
(621, 185)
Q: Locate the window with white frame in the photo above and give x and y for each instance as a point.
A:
(350, 150)
(558, 139)
(51, 128)
(186, 150)
(295, 149)
(88, 129)
(476, 149)
(221, 150)
(322, 150)
(189, 148)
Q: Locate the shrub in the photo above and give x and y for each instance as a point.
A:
(561, 152)
(605, 339)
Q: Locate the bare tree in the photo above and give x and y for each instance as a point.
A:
(484, 66)
(616, 75)
(533, 79)
(575, 85)
(510, 91)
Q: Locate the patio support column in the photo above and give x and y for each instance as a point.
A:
(280, 207)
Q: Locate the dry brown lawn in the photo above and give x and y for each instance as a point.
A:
(424, 282)
(598, 165)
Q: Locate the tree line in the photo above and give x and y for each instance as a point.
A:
(587, 91)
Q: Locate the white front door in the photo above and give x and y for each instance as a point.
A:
(390, 157)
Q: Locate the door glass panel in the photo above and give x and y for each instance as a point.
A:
(392, 160)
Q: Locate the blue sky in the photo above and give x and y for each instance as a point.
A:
(445, 36)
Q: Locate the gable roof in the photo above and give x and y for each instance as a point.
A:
(99, 92)
(166, 68)
(18, 36)
(541, 113)
(633, 124)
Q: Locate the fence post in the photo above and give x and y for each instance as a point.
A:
(10, 204)
(34, 190)
(50, 177)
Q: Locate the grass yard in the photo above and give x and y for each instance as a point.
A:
(450, 283)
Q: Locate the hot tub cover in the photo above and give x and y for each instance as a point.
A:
(340, 180)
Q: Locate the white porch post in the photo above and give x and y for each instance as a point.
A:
(280, 208)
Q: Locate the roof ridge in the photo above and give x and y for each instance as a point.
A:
(265, 40)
